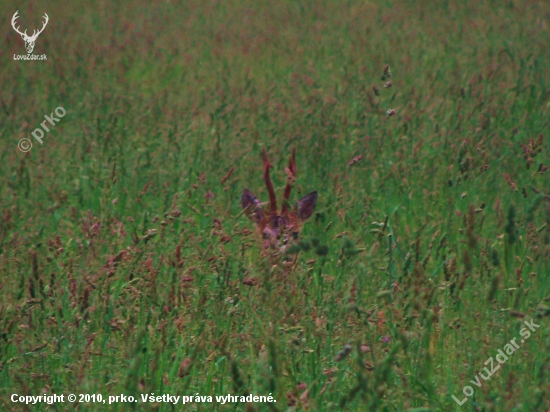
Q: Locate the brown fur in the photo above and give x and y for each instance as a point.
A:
(272, 225)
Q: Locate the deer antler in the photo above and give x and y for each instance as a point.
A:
(35, 32)
(291, 178)
(269, 185)
(13, 19)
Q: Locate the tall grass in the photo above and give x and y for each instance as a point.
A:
(127, 266)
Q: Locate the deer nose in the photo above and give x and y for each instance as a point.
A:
(269, 233)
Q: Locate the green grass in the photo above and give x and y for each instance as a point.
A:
(438, 244)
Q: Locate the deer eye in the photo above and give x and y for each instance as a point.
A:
(295, 235)
(280, 221)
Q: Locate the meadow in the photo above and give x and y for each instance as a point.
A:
(128, 268)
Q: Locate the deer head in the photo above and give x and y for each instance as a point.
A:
(278, 228)
(29, 40)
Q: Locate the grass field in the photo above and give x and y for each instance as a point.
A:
(128, 268)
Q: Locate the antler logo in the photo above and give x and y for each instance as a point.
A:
(29, 40)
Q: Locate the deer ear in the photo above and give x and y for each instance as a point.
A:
(306, 205)
(251, 206)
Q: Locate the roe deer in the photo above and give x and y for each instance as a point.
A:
(273, 226)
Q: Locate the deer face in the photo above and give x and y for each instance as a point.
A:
(29, 40)
(29, 44)
(279, 228)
